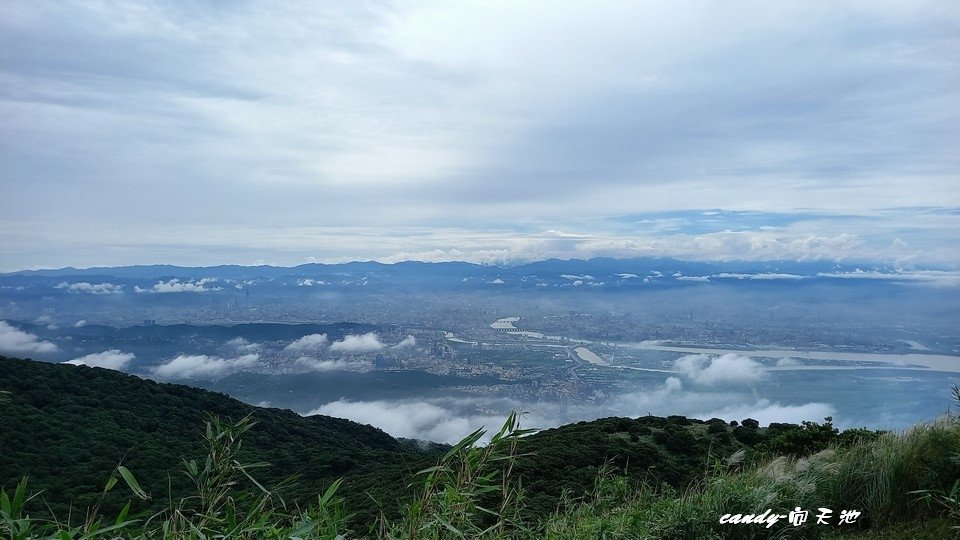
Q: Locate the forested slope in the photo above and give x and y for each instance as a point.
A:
(67, 427)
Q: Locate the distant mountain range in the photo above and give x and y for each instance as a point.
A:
(554, 273)
(598, 265)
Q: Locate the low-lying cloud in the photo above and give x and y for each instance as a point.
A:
(316, 364)
(788, 362)
(368, 342)
(177, 286)
(760, 277)
(702, 369)
(938, 278)
(766, 411)
(91, 288)
(202, 366)
(436, 420)
(242, 345)
(307, 343)
(15, 341)
(112, 359)
(671, 397)
(408, 341)
(448, 419)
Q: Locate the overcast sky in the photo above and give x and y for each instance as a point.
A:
(261, 132)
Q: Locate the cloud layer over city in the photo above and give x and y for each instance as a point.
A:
(448, 419)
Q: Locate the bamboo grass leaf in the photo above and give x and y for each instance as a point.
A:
(132, 482)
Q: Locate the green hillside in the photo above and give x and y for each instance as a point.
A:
(67, 428)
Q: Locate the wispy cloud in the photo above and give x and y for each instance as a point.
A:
(931, 277)
(203, 366)
(317, 364)
(112, 359)
(406, 342)
(242, 345)
(760, 277)
(433, 421)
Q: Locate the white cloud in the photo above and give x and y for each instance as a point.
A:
(315, 364)
(768, 276)
(112, 359)
(573, 277)
(242, 345)
(931, 277)
(198, 366)
(177, 286)
(702, 369)
(310, 282)
(498, 281)
(408, 341)
(788, 362)
(672, 398)
(80, 324)
(368, 342)
(436, 421)
(310, 342)
(16, 341)
(761, 277)
(627, 275)
(83, 286)
(447, 419)
(765, 412)
(693, 278)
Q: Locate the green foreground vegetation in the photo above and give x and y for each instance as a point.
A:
(613, 478)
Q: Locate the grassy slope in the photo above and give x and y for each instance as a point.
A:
(885, 478)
